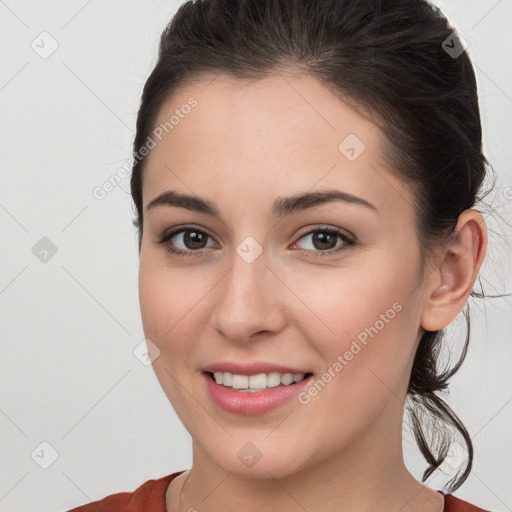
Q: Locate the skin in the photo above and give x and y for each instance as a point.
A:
(244, 145)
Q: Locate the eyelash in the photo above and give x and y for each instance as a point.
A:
(166, 237)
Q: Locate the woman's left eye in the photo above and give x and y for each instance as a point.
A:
(193, 241)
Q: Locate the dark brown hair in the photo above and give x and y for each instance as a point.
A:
(397, 61)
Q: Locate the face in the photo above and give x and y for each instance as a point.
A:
(330, 287)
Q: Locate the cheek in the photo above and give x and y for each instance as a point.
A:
(173, 305)
(360, 316)
(165, 296)
(155, 300)
(365, 337)
(162, 306)
(350, 299)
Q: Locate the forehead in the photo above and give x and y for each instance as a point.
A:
(295, 106)
(284, 133)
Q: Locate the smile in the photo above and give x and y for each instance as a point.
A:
(251, 397)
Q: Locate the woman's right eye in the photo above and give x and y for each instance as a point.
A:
(190, 238)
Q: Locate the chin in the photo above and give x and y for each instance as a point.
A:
(258, 460)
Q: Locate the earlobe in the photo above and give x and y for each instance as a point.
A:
(452, 281)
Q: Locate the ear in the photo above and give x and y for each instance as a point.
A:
(450, 284)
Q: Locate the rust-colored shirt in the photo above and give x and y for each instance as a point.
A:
(150, 497)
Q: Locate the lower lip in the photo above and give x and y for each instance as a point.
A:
(246, 402)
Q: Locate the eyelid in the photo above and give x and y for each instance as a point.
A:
(168, 234)
(306, 231)
(326, 227)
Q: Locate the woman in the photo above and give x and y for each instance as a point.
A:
(305, 178)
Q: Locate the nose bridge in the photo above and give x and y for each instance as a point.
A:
(247, 302)
(246, 281)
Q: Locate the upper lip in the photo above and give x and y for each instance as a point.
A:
(253, 368)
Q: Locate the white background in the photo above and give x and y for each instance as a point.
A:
(69, 326)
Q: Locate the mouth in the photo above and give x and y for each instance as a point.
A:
(242, 397)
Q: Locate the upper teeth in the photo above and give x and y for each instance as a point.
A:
(259, 381)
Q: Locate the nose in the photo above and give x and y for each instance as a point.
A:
(250, 301)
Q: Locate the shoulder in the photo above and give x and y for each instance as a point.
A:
(151, 492)
(454, 504)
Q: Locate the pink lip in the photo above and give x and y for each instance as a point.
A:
(245, 402)
(251, 368)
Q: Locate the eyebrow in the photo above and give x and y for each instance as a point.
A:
(282, 206)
